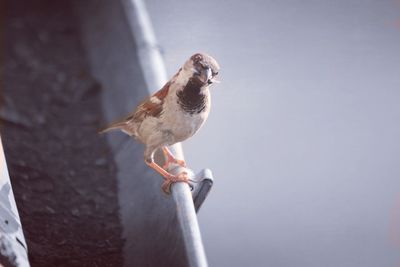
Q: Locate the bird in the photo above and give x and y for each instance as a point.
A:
(172, 114)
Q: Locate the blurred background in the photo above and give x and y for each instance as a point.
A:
(303, 136)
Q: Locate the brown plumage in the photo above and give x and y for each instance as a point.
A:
(173, 114)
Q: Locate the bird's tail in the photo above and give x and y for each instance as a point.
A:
(121, 125)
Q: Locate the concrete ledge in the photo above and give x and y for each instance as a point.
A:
(150, 226)
(159, 230)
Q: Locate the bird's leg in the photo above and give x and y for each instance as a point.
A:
(168, 177)
(169, 158)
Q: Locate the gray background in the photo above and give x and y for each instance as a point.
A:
(303, 137)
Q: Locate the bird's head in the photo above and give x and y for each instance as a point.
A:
(202, 67)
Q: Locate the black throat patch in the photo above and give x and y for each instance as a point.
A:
(191, 99)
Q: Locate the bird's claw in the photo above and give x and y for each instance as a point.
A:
(168, 181)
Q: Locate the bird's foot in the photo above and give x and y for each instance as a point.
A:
(182, 177)
(169, 158)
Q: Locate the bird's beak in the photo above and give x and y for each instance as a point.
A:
(206, 75)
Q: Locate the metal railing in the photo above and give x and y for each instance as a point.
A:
(155, 77)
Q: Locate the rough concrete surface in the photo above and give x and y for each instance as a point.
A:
(63, 175)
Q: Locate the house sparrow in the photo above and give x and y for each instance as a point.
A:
(173, 114)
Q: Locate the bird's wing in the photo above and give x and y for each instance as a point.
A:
(152, 106)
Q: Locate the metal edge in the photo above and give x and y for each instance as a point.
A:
(13, 248)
